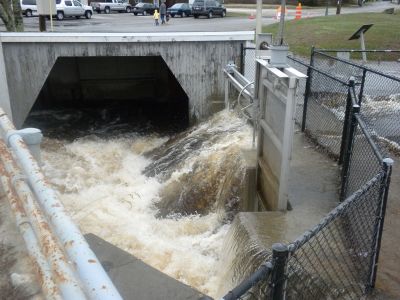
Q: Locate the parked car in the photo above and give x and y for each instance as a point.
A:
(28, 7)
(144, 9)
(72, 8)
(180, 9)
(111, 5)
(208, 8)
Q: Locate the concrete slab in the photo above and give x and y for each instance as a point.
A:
(313, 192)
(136, 280)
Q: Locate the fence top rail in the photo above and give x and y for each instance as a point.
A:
(358, 66)
(308, 235)
(358, 50)
(319, 71)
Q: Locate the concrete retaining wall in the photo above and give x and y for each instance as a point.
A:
(196, 60)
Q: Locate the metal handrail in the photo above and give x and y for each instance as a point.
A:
(92, 276)
(56, 271)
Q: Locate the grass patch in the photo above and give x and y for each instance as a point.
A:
(333, 32)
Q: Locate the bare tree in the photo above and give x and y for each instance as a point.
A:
(11, 15)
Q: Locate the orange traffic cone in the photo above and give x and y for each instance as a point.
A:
(298, 12)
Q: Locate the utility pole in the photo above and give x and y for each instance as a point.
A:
(259, 18)
(282, 22)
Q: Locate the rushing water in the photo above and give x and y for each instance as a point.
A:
(166, 198)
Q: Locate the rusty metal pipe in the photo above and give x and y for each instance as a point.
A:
(49, 288)
(61, 270)
(94, 279)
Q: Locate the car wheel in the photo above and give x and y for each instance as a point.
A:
(210, 14)
(107, 10)
(88, 14)
(196, 16)
(60, 16)
(172, 16)
(183, 15)
(135, 14)
(28, 13)
(223, 14)
(144, 13)
(128, 10)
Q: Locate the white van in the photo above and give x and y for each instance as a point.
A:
(28, 7)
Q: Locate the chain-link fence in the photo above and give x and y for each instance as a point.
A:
(378, 90)
(385, 61)
(337, 259)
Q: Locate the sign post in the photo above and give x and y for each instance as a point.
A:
(46, 8)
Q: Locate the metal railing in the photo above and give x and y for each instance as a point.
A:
(67, 266)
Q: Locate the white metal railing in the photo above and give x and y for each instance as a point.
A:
(67, 266)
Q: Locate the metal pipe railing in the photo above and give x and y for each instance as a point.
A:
(49, 288)
(62, 273)
(92, 276)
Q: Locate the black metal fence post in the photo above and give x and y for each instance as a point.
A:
(346, 122)
(280, 253)
(355, 109)
(361, 93)
(242, 54)
(307, 90)
(387, 168)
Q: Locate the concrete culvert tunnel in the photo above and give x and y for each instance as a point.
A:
(140, 91)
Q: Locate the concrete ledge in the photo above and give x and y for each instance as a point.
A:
(37, 37)
(136, 280)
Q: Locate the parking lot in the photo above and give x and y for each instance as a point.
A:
(124, 22)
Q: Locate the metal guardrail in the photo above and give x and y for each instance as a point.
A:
(67, 266)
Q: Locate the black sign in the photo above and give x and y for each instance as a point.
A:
(356, 35)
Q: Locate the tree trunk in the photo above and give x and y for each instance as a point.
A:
(11, 15)
(18, 21)
(338, 7)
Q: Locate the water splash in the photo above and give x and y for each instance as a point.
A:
(162, 199)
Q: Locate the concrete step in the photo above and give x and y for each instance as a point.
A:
(136, 280)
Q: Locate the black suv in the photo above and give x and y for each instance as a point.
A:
(208, 8)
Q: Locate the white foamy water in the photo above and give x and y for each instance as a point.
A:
(101, 184)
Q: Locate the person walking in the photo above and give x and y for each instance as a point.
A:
(156, 16)
(163, 12)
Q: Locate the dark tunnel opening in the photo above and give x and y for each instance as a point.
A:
(108, 95)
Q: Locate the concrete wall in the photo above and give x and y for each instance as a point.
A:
(196, 60)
